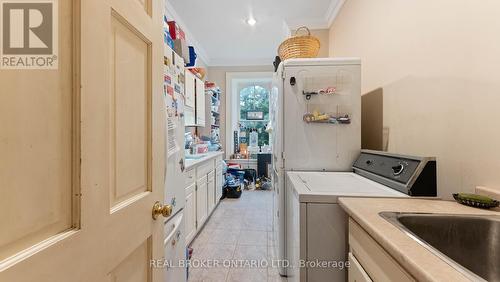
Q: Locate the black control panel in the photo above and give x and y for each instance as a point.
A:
(397, 169)
(415, 176)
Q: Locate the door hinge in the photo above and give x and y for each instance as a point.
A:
(283, 75)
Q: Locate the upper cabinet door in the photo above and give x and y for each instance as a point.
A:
(190, 89)
(200, 102)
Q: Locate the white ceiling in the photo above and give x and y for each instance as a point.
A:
(222, 37)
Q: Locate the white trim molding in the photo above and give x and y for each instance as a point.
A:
(333, 11)
(319, 23)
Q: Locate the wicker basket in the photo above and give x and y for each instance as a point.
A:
(299, 46)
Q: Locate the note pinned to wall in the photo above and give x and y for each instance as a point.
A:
(172, 144)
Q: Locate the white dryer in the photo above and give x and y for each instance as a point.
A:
(316, 225)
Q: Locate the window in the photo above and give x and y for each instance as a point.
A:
(254, 111)
(247, 108)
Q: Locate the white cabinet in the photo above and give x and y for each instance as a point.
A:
(203, 184)
(372, 259)
(190, 86)
(190, 212)
(189, 116)
(219, 182)
(194, 111)
(200, 102)
(211, 191)
(201, 201)
(190, 94)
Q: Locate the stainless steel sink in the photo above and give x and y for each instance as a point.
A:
(469, 243)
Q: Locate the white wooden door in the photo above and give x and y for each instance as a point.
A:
(218, 183)
(190, 212)
(211, 191)
(201, 201)
(189, 89)
(82, 150)
(200, 102)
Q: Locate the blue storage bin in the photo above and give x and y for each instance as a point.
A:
(192, 57)
(237, 173)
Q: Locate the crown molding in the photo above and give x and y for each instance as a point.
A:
(318, 23)
(333, 11)
(190, 39)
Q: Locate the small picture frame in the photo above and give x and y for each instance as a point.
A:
(256, 115)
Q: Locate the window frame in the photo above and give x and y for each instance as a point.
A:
(232, 106)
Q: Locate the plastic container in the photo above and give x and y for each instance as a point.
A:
(201, 148)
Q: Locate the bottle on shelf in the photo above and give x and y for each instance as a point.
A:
(254, 138)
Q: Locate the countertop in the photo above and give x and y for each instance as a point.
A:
(414, 258)
(190, 163)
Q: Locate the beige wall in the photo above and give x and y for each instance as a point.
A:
(438, 63)
(323, 36)
(218, 75)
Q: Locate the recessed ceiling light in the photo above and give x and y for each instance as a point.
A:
(251, 21)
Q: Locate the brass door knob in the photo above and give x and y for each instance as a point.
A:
(159, 209)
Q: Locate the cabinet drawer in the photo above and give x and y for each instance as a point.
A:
(377, 263)
(356, 273)
(204, 168)
(190, 177)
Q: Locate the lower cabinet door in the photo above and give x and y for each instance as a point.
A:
(201, 201)
(190, 212)
(356, 273)
(219, 182)
(211, 194)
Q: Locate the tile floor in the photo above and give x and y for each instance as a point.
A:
(239, 229)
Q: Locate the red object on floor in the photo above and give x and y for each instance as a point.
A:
(233, 165)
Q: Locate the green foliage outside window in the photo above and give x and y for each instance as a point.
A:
(255, 98)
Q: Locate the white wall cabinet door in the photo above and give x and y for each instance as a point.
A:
(189, 116)
(200, 103)
(201, 201)
(190, 94)
(190, 88)
(190, 212)
(211, 191)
